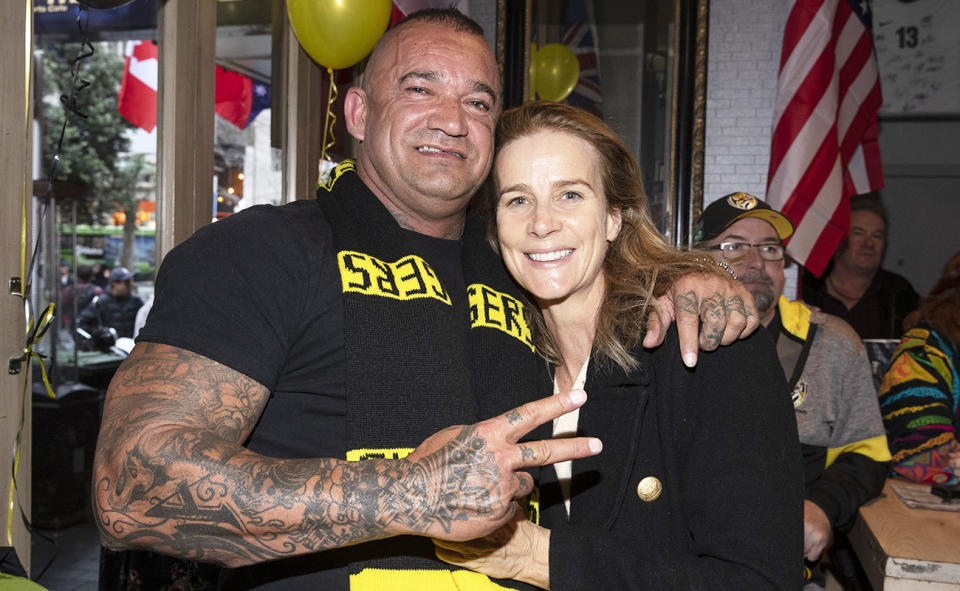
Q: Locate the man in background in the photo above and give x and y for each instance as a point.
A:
(116, 308)
(872, 300)
(841, 432)
(76, 298)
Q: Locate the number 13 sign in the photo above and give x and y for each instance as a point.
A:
(918, 50)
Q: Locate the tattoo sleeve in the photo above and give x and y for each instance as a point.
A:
(171, 475)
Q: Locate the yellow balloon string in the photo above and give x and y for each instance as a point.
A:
(27, 57)
(34, 335)
(330, 119)
(27, 61)
(16, 466)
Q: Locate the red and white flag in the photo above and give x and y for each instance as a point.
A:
(824, 146)
(233, 96)
(137, 99)
(402, 8)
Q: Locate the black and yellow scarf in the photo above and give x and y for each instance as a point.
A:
(414, 364)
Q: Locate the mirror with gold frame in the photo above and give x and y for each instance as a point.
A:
(641, 66)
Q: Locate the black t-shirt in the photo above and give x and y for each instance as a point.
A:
(260, 293)
(881, 310)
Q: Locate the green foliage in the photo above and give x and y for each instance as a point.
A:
(92, 145)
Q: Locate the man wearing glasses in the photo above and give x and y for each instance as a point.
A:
(828, 374)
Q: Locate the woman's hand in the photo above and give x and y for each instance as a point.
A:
(519, 550)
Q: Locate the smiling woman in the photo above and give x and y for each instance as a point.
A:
(637, 265)
(554, 231)
(569, 214)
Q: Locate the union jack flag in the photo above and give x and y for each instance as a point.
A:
(581, 38)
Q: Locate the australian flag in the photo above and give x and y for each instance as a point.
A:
(261, 100)
(581, 38)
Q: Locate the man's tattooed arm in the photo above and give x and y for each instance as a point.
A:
(171, 475)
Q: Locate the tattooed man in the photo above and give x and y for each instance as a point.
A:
(287, 409)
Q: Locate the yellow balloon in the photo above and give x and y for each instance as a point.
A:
(338, 33)
(533, 71)
(556, 71)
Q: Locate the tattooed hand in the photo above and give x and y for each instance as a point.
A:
(171, 474)
(471, 475)
(724, 307)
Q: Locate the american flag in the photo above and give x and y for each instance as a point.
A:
(824, 146)
(581, 38)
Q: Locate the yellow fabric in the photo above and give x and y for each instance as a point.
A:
(941, 362)
(397, 453)
(795, 317)
(874, 448)
(906, 367)
(533, 505)
(495, 309)
(338, 171)
(375, 579)
(408, 278)
(910, 409)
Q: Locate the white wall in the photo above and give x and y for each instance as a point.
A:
(921, 162)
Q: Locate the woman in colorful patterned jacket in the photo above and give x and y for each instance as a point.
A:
(920, 394)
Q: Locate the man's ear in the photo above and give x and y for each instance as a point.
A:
(355, 112)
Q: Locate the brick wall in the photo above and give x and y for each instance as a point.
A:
(743, 56)
(742, 61)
